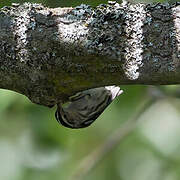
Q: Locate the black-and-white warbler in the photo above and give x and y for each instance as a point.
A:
(86, 106)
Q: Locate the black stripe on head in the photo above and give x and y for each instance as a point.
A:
(84, 124)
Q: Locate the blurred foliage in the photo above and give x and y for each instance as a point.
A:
(33, 146)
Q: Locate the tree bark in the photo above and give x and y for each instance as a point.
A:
(50, 54)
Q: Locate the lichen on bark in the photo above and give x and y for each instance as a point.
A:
(50, 54)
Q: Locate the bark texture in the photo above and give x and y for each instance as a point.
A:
(50, 54)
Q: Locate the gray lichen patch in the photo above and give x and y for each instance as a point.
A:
(162, 42)
(72, 27)
(176, 32)
(22, 21)
(109, 23)
(105, 28)
(134, 19)
(114, 31)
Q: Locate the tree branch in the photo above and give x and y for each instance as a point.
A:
(49, 54)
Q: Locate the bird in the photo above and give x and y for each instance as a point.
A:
(85, 107)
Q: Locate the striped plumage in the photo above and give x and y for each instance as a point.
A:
(86, 106)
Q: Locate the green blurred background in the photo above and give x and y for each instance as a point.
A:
(33, 146)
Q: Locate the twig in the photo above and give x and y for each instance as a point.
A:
(90, 161)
